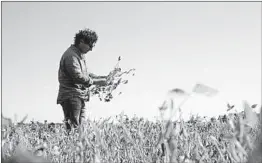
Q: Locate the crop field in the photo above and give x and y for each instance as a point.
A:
(230, 138)
(135, 140)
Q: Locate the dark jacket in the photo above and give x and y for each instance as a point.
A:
(73, 76)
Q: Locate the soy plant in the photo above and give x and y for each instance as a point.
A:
(115, 78)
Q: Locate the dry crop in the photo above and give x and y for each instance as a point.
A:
(134, 140)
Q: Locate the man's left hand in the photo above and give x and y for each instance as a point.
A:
(100, 82)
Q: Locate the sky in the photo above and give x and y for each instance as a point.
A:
(170, 44)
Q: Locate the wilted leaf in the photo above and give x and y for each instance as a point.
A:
(125, 81)
(254, 105)
(23, 120)
(205, 90)
(251, 117)
(6, 121)
(114, 79)
(230, 107)
(178, 91)
(164, 106)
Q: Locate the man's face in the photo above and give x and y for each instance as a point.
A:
(84, 47)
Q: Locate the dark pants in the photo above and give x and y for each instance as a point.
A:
(74, 110)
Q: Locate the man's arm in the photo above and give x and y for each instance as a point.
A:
(72, 66)
(98, 80)
(94, 76)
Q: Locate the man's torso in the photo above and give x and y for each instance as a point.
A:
(67, 87)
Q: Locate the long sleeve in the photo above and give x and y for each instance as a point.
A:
(94, 76)
(73, 67)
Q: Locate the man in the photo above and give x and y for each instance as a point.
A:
(74, 78)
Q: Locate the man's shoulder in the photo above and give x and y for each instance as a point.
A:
(69, 53)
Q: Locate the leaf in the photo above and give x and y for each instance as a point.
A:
(171, 104)
(230, 107)
(232, 151)
(125, 81)
(164, 106)
(205, 90)
(23, 120)
(251, 117)
(119, 81)
(169, 128)
(98, 135)
(178, 91)
(6, 121)
(254, 105)
(240, 148)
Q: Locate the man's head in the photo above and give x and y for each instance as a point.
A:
(85, 40)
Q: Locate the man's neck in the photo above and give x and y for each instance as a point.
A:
(77, 46)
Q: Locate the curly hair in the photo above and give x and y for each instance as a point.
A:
(89, 36)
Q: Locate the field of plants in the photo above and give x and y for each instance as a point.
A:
(230, 138)
(227, 139)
